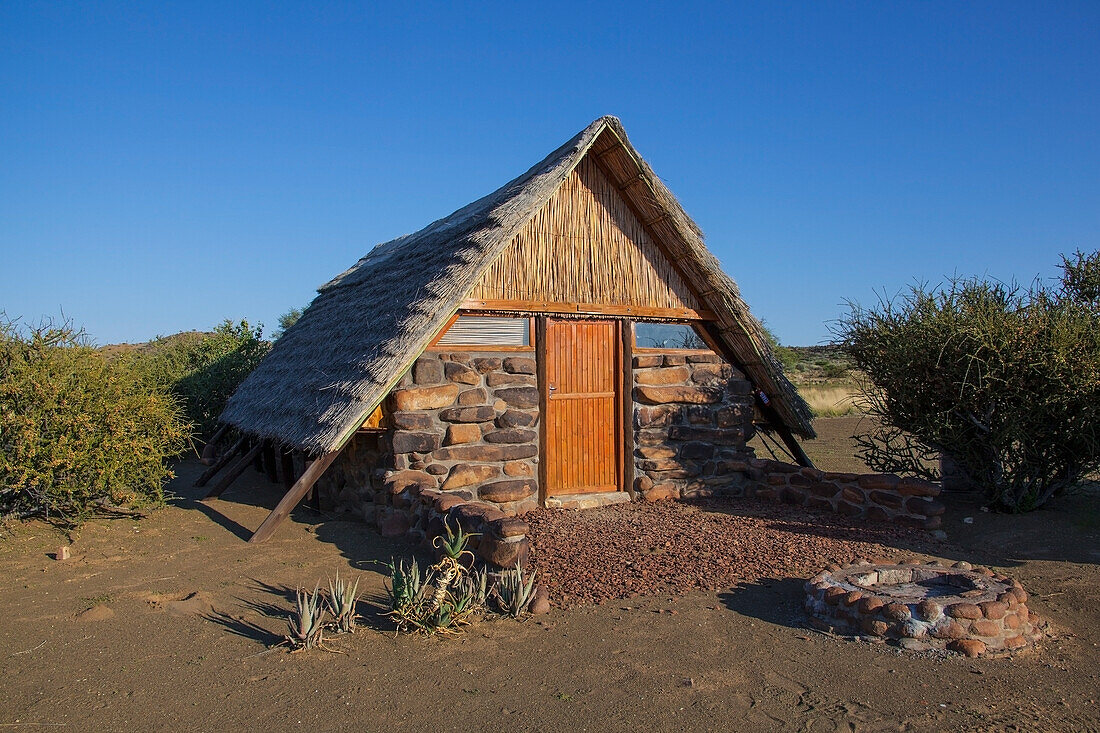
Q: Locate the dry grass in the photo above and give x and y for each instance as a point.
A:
(831, 400)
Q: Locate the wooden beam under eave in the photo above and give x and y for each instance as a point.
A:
(290, 500)
(237, 469)
(220, 463)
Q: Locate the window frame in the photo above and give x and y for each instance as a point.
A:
(664, 349)
(436, 346)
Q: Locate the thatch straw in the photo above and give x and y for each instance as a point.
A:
(366, 326)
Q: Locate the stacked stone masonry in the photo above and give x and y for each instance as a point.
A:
(967, 609)
(878, 497)
(692, 418)
(463, 447)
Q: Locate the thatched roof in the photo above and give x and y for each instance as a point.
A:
(366, 326)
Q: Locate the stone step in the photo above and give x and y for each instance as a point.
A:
(587, 501)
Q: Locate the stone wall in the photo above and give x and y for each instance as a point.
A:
(467, 425)
(880, 497)
(692, 417)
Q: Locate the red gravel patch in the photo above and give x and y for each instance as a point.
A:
(672, 548)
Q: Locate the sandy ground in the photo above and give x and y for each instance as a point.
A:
(165, 623)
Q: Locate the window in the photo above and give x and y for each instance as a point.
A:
(668, 336)
(487, 331)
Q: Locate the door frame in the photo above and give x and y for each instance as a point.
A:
(623, 409)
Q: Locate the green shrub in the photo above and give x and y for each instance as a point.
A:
(1003, 379)
(203, 370)
(79, 432)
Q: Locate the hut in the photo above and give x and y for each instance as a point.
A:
(567, 340)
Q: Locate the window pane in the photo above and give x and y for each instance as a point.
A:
(667, 336)
(487, 331)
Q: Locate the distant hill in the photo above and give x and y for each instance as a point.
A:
(181, 338)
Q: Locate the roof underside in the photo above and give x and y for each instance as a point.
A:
(367, 325)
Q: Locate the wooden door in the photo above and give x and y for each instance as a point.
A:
(582, 399)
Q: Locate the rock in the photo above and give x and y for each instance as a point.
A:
(436, 469)
(677, 375)
(473, 397)
(394, 525)
(711, 374)
(647, 360)
(674, 360)
(925, 507)
(1015, 642)
(913, 645)
(929, 610)
(425, 398)
(523, 397)
(411, 420)
(510, 527)
(405, 441)
(540, 602)
(696, 451)
(714, 436)
(852, 597)
(878, 481)
(688, 395)
(500, 379)
(870, 605)
(517, 419)
(63, 553)
(874, 627)
(447, 502)
(655, 452)
(948, 629)
(963, 610)
(982, 627)
(834, 595)
(509, 490)
(887, 499)
(656, 416)
(487, 453)
(910, 486)
(468, 474)
(503, 553)
(511, 435)
(481, 413)
(475, 514)
(461, 373)
(399, 481)
(993, 610)
(518, 468)
(487, 364)
(661, 492)
(428, 370)
(519, 365)
(896, 612)
(969, 647)
(462, 433)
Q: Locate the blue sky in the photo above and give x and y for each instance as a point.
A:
(164, 166)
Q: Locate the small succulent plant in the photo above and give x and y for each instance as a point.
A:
(307, 624)
(343, 597)
(513, 592)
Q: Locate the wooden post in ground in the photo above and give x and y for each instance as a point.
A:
(221, 462)
(301, 488)
(237, 469)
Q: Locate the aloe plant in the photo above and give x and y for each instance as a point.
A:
(513, 592)
(307, 625)
(342, 599)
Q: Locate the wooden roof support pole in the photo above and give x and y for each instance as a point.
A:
(237, 469)
(290, 500)
(220, 463)
(788, 438)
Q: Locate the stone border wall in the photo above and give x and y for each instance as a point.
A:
(880, 497)
(692, 417)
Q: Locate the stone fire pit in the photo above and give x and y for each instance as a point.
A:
(924, 606)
